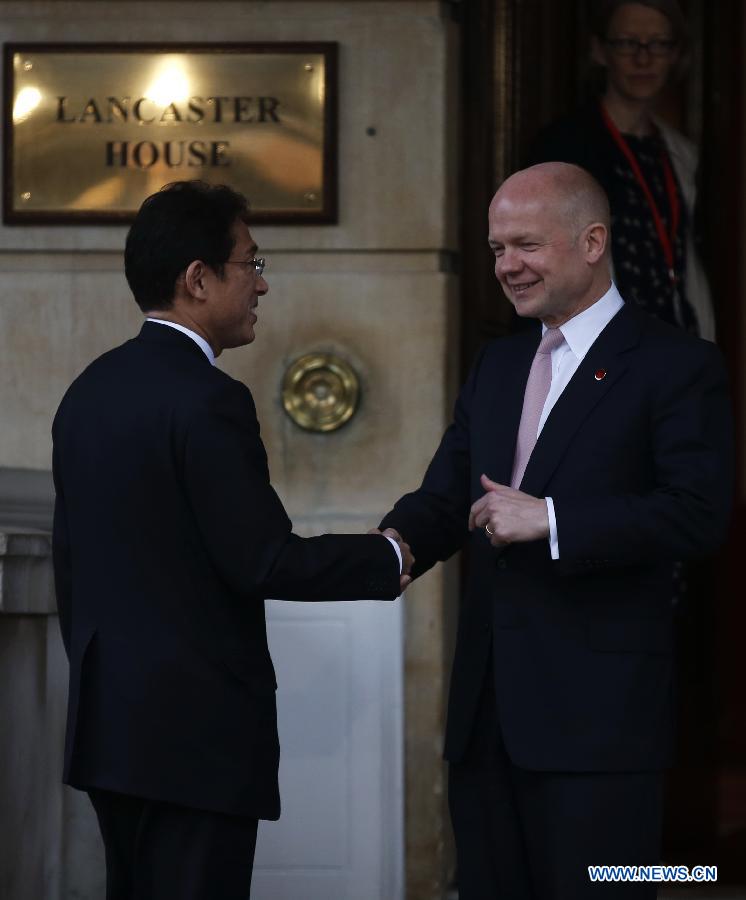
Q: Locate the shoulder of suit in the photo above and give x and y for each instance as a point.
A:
(99, 366)
(516, 341)
(186, 379)
(215, 390)
(502, 350)
(661, 342)
(224, 384)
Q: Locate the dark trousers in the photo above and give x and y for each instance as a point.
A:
(524, 835)
(158, 851)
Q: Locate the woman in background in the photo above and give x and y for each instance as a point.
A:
(647, 168)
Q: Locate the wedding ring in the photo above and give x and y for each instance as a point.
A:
(487, 529)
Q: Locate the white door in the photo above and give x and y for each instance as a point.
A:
(339, 671)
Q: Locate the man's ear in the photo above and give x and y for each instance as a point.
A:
(595, 239)
(194, 279)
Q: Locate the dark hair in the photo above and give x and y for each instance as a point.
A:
(184, 221)
(602, 12)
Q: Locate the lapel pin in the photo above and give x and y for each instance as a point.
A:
(600, 374)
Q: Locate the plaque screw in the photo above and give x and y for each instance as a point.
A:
(308, 67)
(28, 65)
(309, 197)
(26, 196)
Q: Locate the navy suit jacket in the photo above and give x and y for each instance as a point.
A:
(638, 462)
(167, 538)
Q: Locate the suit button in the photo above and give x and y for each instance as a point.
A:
(502, 563)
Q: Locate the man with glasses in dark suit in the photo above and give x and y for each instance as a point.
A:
(168, 536)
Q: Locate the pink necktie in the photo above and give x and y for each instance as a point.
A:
(537, 388)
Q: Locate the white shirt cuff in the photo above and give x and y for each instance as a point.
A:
(553, 539)
(398, 551)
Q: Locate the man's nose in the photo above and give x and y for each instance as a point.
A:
(507, 262)
(261, 285)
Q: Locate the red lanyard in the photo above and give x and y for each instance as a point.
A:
(666, 240)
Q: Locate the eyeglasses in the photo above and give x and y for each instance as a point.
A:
(631, 46)
(257, 264)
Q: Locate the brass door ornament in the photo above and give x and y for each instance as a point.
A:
(320, 392)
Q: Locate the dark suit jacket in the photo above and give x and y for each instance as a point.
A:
(639, 466)
(167, 538)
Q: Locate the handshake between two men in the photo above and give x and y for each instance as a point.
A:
(616, 427)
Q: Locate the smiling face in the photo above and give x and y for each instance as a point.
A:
(549, 266)
(639, 77)
(229, 312)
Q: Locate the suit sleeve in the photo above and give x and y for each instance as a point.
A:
(434, 519)
(685, 514)
(244, 526)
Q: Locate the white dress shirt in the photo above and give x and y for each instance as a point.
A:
(579, 333)
(207, 350)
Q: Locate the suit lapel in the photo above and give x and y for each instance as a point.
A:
(506, 404)
(582, 394)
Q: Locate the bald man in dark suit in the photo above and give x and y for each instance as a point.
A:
(584, 456)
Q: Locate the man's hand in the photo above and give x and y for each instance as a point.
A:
(406, 554)
(511, 516)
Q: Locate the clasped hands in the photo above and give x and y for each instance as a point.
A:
(509, 516)
(406, 554)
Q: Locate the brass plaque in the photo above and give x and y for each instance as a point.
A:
(91, 130)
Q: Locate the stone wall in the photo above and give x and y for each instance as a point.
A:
(33, 686)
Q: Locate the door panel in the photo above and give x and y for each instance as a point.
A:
(339, 700)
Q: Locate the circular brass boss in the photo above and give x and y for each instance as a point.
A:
(320, 392)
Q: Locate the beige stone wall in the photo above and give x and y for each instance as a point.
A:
(372, 288)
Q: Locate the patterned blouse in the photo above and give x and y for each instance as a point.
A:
(640, 268)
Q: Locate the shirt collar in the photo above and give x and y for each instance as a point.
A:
(198, 339)
(582, 330)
